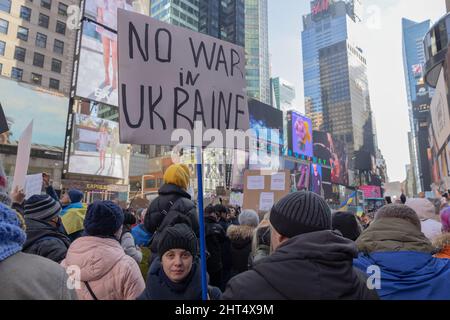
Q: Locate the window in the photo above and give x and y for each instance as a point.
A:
(47, 4)
(58, 47)
(4, 26)
(25, 13)
(54, 84)
(43, 20)
(16, 73)
(2, 48)
(5, 5)
(56, 65)
(41, 40)
(19, 54)
(36, 78)
(62, 9)
(60, 27)
(22, 33)
(38, 60)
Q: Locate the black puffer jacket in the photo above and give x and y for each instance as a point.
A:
(241, 246)
(313, 266)
(176, 202)
(215, 238)
(45, 240)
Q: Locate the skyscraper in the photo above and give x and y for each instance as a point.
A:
(257, 50)
(283, 94)
(335, 72)
(419, 99)
(184, 13)
(223, 19)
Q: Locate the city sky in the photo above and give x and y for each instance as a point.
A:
(382, 45)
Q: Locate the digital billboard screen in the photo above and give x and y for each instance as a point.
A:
(316, 179)
(326, 147)
(267, 122)
(22, 103)
(300, 134)
(302, 175)
(95, 148)
(97, 71)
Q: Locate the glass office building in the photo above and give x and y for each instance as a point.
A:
(419, 96)
(182, 13)
(335, 72)
(257, 50)
(283, 94)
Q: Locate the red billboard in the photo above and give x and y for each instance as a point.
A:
(371, 191)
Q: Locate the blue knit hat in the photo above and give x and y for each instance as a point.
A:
(103, 218)
(12, 237)
(75, 195)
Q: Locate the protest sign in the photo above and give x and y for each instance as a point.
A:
(33, 185)
(23, 157)
(172, 78)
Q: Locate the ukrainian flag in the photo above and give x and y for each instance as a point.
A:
(351, 199)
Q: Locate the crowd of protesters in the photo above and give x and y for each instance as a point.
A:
(62, 248)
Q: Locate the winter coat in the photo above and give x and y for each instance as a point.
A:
(45, 240)
(159, 286)
(215, 238)
(141, 236)
(173, 200)
(111, 274)
(241, 245)
(404, 255)
(31, 277)
(128, 245)
(442, 244)
(72, 218)
(316, 266)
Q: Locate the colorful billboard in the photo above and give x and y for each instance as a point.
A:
(267, 122)
(371, 192)
(316, 179)
(300, 134)
(97, 71)
(334, 152)
(23, 103)
(96, 150)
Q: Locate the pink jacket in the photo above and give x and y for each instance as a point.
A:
(111, 274)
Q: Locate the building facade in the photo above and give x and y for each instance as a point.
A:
(36, 46)
(335, 71)
(257, 50)
(419, 96)
(184, 13)
(283, 94)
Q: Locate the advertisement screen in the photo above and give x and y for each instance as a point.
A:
(23, 103)
(316, 179)
(302, 175)
(326, 147)
(338, 162)
(371, 192)
(301, 135)
(267, 122)
(96, 149)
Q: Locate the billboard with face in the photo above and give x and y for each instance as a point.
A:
(96, 149)
(316, 179)
(22, 103)
(300, 134)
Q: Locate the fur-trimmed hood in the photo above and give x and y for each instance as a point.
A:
(442, 241)
(240, 232)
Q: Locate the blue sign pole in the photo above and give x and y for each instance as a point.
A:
(202, 223)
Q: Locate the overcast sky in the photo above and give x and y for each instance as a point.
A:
(383, 50)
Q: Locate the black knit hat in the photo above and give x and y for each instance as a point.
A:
(179, 236)
(41, 207)
(300, 212)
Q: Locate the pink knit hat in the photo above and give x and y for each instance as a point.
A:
(445, 219)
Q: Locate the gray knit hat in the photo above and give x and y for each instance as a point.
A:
(300, 212)
(41, 207)
(249, 218)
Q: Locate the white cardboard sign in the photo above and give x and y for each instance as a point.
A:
(23, 157)
(171, 77)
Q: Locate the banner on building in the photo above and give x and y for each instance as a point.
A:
(440, 116)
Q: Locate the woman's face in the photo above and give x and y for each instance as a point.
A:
(177, 263)
(301, 130)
